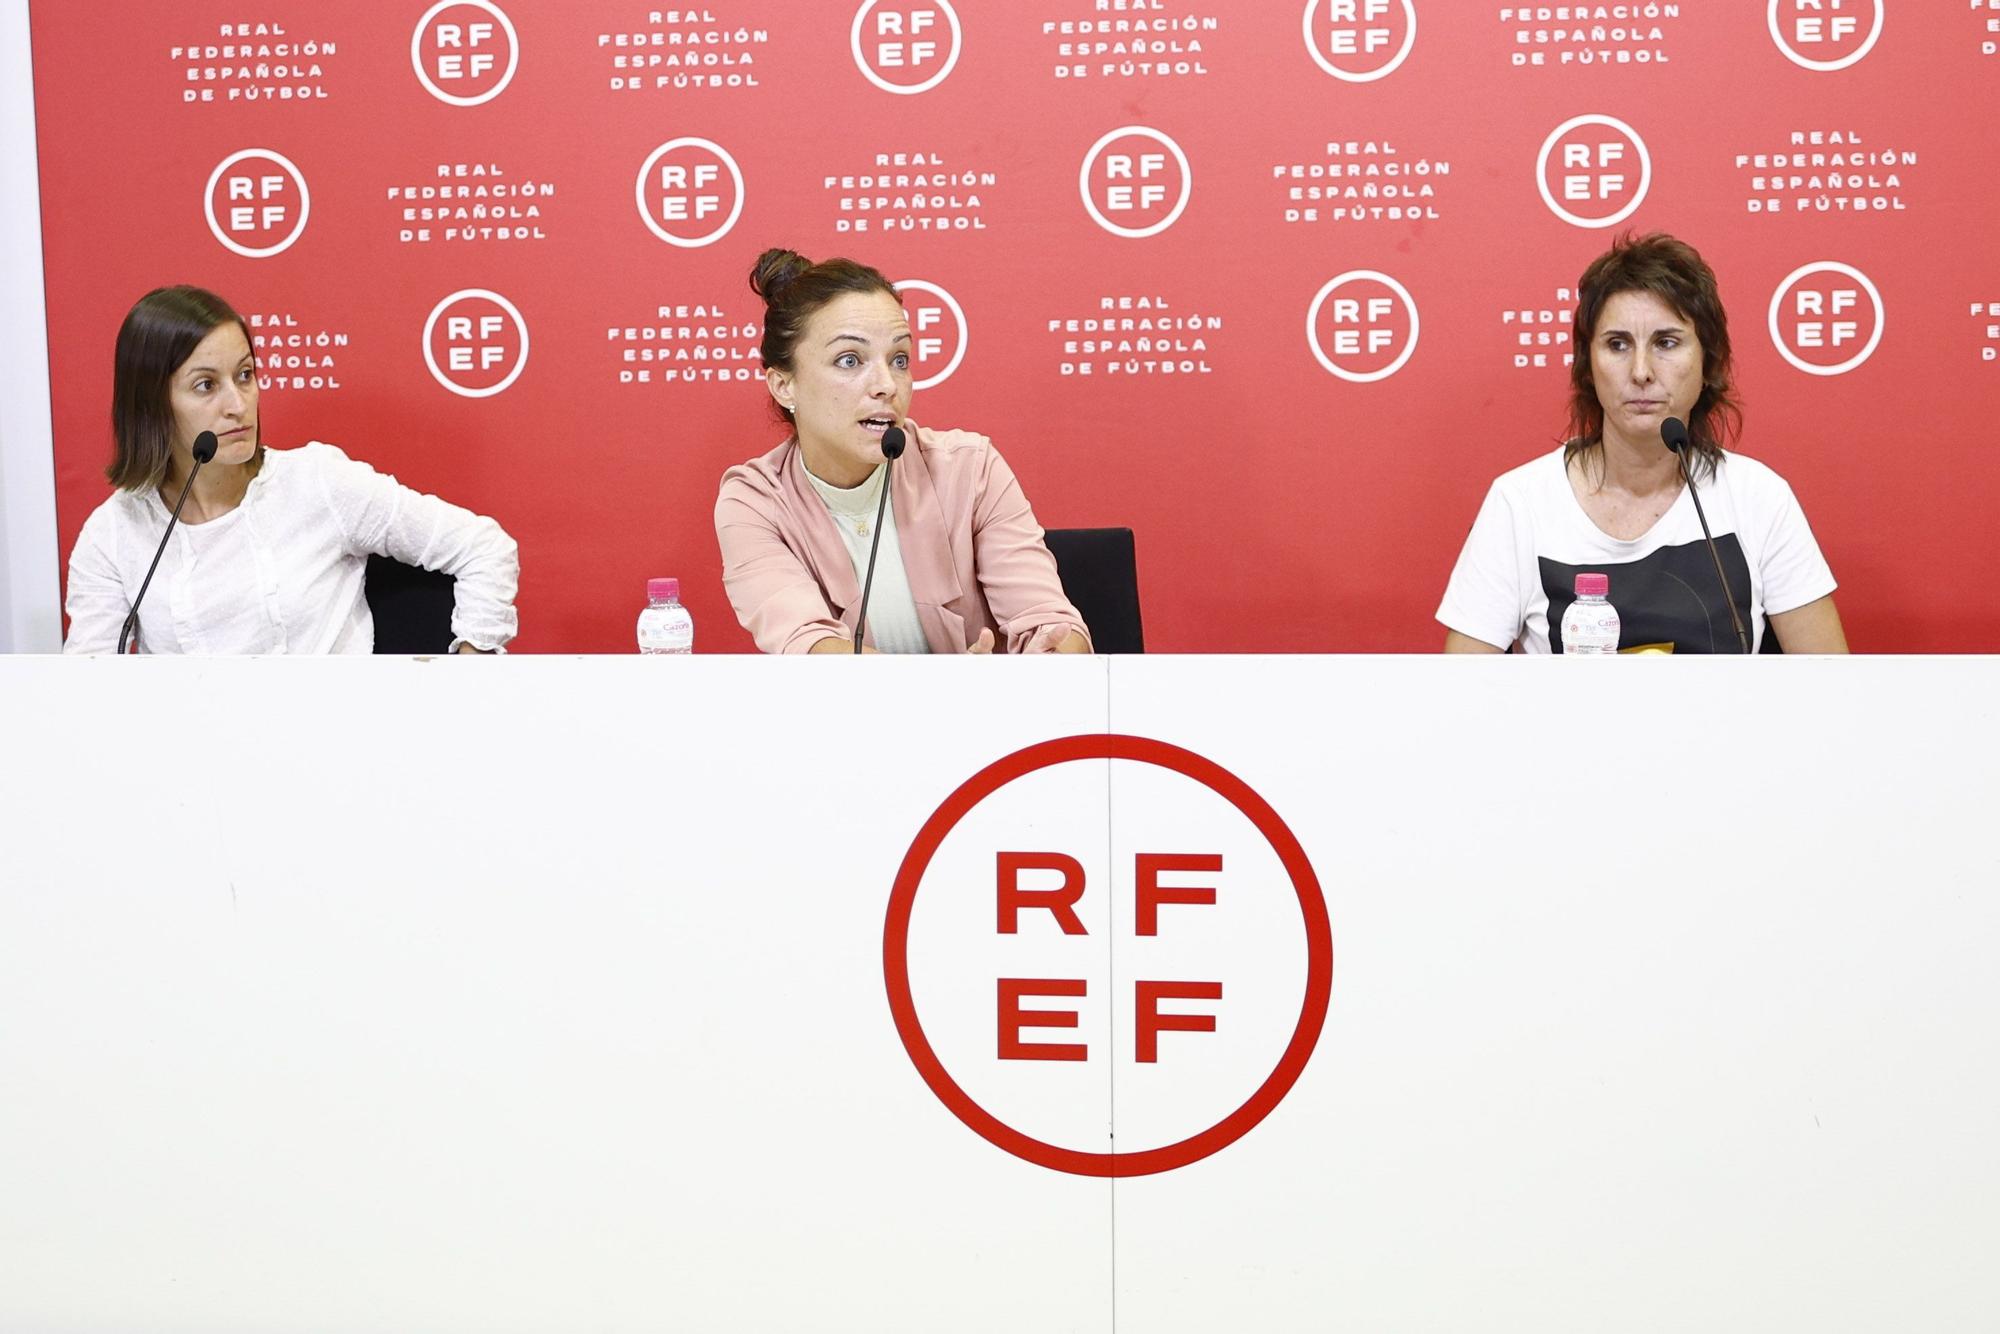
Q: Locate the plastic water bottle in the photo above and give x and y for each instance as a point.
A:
(1591, 623)
(665, 626)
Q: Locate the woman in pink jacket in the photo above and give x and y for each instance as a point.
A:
(961, 566)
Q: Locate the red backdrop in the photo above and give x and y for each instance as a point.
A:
(1426, 178)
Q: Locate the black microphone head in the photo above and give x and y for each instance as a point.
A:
(893, 442)
(1674, 434)
(204, 447)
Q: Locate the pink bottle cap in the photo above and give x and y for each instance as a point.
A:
(663, 590)
(1593, 585)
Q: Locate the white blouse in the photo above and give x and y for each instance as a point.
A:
(893, 623)
(283, 571)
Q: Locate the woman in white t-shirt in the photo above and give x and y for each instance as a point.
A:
(270, 554)
(1652, 343)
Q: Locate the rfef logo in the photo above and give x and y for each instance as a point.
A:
(1825, 34)
(1108, 1002)
(1826, 318)
(1135, 181)
(690, 192)
(1594, 171)
(475, 343)
(906, 46)
(938, 331)
(257, 202)
(1360, 40)
(465, 51)
(1362, 326)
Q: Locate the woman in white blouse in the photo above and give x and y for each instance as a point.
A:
(271, 551)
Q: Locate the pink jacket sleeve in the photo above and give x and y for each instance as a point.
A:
(775, 597)
(1016, 573)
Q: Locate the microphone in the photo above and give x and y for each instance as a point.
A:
(204, 450)
(893, 441)
(1674, 435)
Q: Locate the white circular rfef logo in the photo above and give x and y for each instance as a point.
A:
(1135, 181)
(690, 192)
(465, 51)
(1360, 40)
(476, 343)
(1362, 326)
(938, 331)
(906, 46)
(257, 202)
(1826, 318)
(1035, 954)
(1593, 171)
(1825, 34)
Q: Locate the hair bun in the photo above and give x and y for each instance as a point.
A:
(774, 271)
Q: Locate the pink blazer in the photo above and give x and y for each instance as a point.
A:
(972, 551)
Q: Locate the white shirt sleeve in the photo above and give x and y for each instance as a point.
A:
(97, 600)
(1794, 572)
(1484, 598)
(378, 515)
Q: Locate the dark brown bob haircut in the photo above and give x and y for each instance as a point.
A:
(793, 289)
(159, 334)
(1670, 270)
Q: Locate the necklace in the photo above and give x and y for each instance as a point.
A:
(852, 507)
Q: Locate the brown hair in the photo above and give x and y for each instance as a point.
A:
(793, 289)
(1672, 271)
(158, 336)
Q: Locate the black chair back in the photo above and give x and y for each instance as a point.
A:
(1100, 573)
(412, 607)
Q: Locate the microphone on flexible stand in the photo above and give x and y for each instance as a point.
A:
(892, 449)
(204, 450)
(1674, 434)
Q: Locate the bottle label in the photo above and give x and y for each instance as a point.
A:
(666, 629)
(1590, 627)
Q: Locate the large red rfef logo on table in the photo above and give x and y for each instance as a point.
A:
(1108, 955)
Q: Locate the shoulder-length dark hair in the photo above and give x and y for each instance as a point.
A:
(158, 336)
(793, 289)
(1672, 271)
